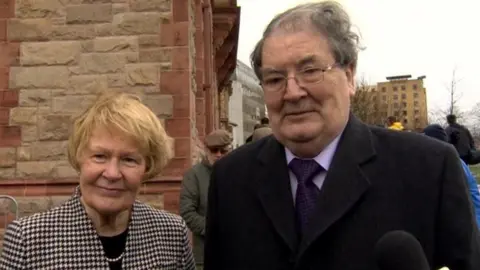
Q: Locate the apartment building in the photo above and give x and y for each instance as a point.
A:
(405, 98)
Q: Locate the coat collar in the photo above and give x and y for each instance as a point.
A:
(135, 256)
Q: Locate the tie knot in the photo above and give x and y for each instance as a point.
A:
(304, 169)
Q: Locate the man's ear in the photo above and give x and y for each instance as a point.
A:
(350, 73)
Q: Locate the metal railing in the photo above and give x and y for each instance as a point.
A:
(15, 203)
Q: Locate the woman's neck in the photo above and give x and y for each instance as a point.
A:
(108, 225)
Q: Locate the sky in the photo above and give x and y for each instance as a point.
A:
(416, 37)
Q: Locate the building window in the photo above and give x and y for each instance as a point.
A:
(415, 95)
(405, 113)
(403, 87)
(417, 112)
(404, 96)
(395, 105)
(374, 98)
(395, 88)
(405, 121)
(404, 104)
(384, 98)
(395, 97)
(384, 89)
(396, 114)
(415, 103)
(414, 87)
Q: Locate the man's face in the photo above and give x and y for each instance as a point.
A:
(216, 153)
(302, 112)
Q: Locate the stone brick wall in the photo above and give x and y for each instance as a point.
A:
(56, 56)
(68, 52)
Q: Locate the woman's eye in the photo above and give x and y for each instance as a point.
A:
(130, 160)
(99, 157)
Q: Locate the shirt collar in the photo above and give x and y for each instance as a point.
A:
(325, 157)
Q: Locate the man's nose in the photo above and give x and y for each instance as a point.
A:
(293, 91)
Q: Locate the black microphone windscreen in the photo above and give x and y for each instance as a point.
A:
(399, 250)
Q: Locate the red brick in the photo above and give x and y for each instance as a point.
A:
(178, 127)
(175, 34)
(199, 78)
(171, 202)
(7, 9)
(175, 82)
(180, 58)
(199, 48)
(35, 190)
(9, 54)
(200, 130)
(52, 190)
(177, 166)
(9, 98)
(10, 136)
(4, 116)
(182, 147)
(181, 105)
(12, 190)
(199, 16)
(180, 10)
(4, 73)
(3, 30)
(200, 93)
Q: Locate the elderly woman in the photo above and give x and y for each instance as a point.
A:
(115, 145)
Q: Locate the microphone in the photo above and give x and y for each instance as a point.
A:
(399, 250)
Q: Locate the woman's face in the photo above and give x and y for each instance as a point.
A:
(111, 172)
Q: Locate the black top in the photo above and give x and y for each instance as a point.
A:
(113, 247)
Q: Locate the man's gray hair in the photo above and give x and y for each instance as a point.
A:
(328, 18)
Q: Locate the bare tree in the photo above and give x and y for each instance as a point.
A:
(364, 103)
(437, 116)
(454, 96)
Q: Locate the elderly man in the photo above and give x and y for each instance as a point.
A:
(194, 193)
(323, 190)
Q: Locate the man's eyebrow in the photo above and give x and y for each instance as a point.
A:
(305, 60)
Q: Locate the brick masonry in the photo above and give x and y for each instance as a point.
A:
(55, 56)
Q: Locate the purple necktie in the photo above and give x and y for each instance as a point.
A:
(307, 192)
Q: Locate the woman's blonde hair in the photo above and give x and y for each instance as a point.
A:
(127, 114)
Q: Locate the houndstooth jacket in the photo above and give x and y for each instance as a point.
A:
(64, 238)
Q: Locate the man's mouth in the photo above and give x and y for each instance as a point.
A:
(298, 113)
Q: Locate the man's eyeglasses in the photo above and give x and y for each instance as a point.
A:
(304, 77)
(221, 150)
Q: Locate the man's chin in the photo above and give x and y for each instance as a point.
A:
(301, 133)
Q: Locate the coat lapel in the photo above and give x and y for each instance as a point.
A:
(138, 242)
(345, 182)
(275, 192)
(82, 225)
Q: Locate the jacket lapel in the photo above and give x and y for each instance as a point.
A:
(275, 192)
(84, 227)
(345, 182)
(138, 241)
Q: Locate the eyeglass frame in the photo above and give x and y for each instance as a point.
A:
(303, 84)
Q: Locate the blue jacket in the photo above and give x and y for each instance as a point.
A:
(472, 184)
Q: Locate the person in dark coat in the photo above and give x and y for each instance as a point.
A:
(322, 191)
(436, 131)
(193, 195)
(462, 139)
